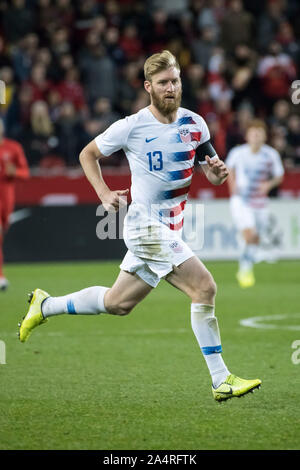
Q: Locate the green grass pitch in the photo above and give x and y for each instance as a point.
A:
(140, 382)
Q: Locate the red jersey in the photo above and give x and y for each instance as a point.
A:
(11, 153)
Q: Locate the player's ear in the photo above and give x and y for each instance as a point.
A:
(147, 86)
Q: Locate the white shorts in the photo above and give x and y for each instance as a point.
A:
(153, 249)
(244, 216)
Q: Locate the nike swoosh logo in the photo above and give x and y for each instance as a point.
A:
(227, 393)
(149, 140)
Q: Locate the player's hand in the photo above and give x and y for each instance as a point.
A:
(113, 200)
(10, 170)
(264, 188)
(217, 167)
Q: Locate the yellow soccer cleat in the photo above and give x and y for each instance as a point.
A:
(234, 387)
(245, 279)
(34, 315)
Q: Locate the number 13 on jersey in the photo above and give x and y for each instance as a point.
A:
(155, 160)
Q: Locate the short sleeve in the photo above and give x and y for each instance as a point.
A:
(205, 134)
(114, 138)
(277, 170)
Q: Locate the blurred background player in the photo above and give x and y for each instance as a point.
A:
(13, 165)
(255, 169)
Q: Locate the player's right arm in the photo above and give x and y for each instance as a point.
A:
(89, 159)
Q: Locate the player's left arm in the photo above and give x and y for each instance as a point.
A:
(214, 168)
(266, 186)
(276, 177)
(19, 169)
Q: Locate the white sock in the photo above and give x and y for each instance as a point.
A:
(88, 301)
(247, 258)
(206, 329)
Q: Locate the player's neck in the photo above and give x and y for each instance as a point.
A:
(255, 148)
(164, 119)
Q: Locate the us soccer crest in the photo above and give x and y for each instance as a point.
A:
(185, 135)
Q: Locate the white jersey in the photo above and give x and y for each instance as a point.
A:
(251, 169)
(161, 159)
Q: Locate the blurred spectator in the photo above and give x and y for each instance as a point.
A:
(98, 72)
(5, 60)
(276, 71)
(211, 15)
(70, 89)
(241, 74)
(7, 76)
(129, 85)
(286, 37)
(38, 82)
(103, 113)
(170, 6)
(18, 113)
(237, 26)
(181, 51)
(17, 21)
(113, 48)
(68, 130)
(217, 84)
(268, 23)
(280, 113)
(23, 56)
(158, 25)
(192, 80)
(60, 41)
(237, 129)
(38, 136)
(113, 13)
(293, 139)
(278, 142)
(141, 101)
(130, 42)
(203, 46)
(205, 104)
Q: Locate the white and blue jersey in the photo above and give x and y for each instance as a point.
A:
(252, 169)
(161, 159)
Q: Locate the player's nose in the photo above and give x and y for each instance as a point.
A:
(171, 86)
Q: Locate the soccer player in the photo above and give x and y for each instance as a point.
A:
(13, 166)
(254, 169)
(160, 143)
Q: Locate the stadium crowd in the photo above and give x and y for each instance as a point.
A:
(71, 68)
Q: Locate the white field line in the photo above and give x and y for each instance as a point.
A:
(265, 322)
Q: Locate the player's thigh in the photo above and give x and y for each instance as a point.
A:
(194, 279)
(127, 291)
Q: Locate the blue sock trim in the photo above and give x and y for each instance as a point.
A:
(207, 350)
(71, 307)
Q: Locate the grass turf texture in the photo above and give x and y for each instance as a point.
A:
(140, 382)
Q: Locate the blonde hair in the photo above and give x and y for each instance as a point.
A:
(40, 119)
(158, 62)
(257, 124)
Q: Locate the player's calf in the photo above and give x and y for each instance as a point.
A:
(118, 307)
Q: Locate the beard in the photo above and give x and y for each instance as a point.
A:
(164, 105)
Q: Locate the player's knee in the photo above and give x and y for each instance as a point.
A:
(210, 288)
(206, 290)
